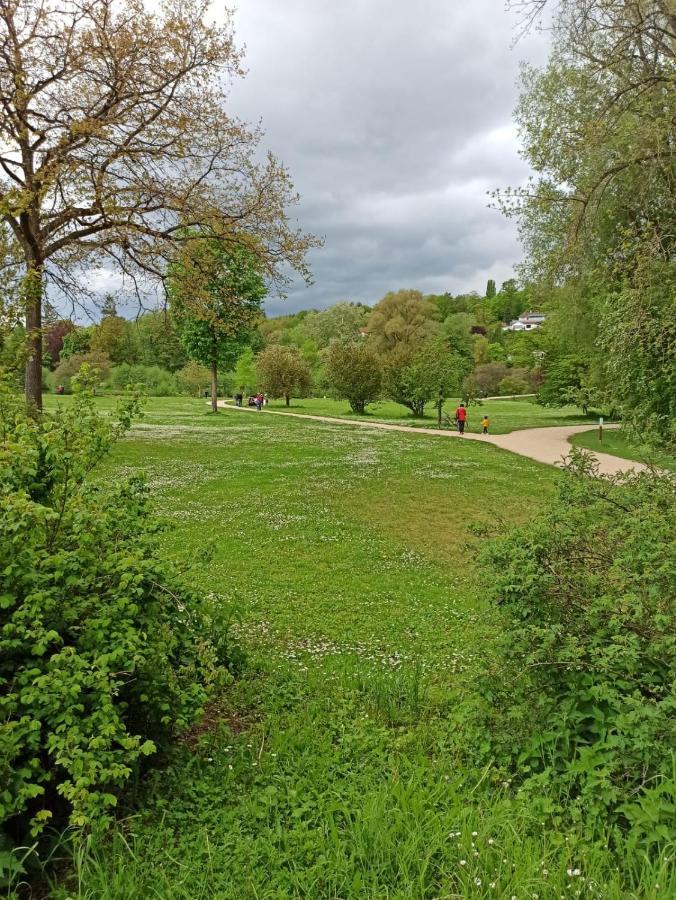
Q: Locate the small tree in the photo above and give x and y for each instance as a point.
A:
(215, 293)
(354, 372)
(433, 373)
(283, 372)
(490, 289)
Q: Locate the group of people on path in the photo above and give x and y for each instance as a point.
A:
(258, 400)
(461, 420)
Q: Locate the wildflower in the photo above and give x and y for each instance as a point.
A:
(491, 842)
(492, 884)
(463, 862)
(573, 873)
(475, 833)
(477, 882)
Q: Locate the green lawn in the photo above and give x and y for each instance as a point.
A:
(346, 561)
(505, 415)
(617, 443)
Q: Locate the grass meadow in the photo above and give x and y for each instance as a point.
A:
(345, 563)
(618, 443)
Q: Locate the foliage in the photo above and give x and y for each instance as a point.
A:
(514, 384)
(215, 291)
(586, 689)
(597, 126)
(340, 322)
(402, 320)
(154, 381)
(158, 341)
(54, 338)
(413, 379)
(105, 654)
(353, 370)
(99, 363)
(77, 341)
(245, 375)
(282, 372)
(115, 131)
(116, 337)
(196, 380)
(640, 341)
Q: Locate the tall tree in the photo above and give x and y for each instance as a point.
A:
(215, 292)
(490, 289)
(402, 319)
(114, 139)
(598, 129)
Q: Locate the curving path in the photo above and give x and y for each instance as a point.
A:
(546, 445)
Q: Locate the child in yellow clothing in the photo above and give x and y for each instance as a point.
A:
(485, 424)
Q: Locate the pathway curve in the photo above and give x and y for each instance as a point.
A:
(546, 445)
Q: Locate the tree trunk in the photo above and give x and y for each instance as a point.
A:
(287, 399)
(214, 385)
(440, 403)
(32, 298)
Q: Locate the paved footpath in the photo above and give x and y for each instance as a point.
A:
(546, 445)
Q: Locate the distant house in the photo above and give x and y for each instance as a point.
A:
(526, 322)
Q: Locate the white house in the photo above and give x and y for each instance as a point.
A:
(526, 322)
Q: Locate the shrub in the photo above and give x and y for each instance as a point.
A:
(104, 652)
(353, 371)
(585, 700)
(514, 384)
(156, 382)
(69, 366)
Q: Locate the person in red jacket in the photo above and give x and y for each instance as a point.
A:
(461, 417)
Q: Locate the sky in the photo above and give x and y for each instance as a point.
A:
(395, 120)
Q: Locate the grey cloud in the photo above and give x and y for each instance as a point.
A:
(395, 120)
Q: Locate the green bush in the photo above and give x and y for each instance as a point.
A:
(584, 706)
(105, 654)
(156, 382)
(514, 384)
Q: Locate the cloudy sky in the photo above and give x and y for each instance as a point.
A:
(395, 119)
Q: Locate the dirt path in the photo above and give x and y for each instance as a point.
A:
(546, 445)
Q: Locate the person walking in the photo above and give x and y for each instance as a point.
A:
(461, 417)
(485, 424)
(259, 402)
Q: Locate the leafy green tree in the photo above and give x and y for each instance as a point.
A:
(401, 322)
(282, 372)
(432, 372)
(639, 340)
(215, 292)
(597, 124)
(340, 322)
(158, 341)
(353, 370)
(115, 336)
(98, 363)
(246, 376)
(490, 289)
(77, 341)
(563, 379)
